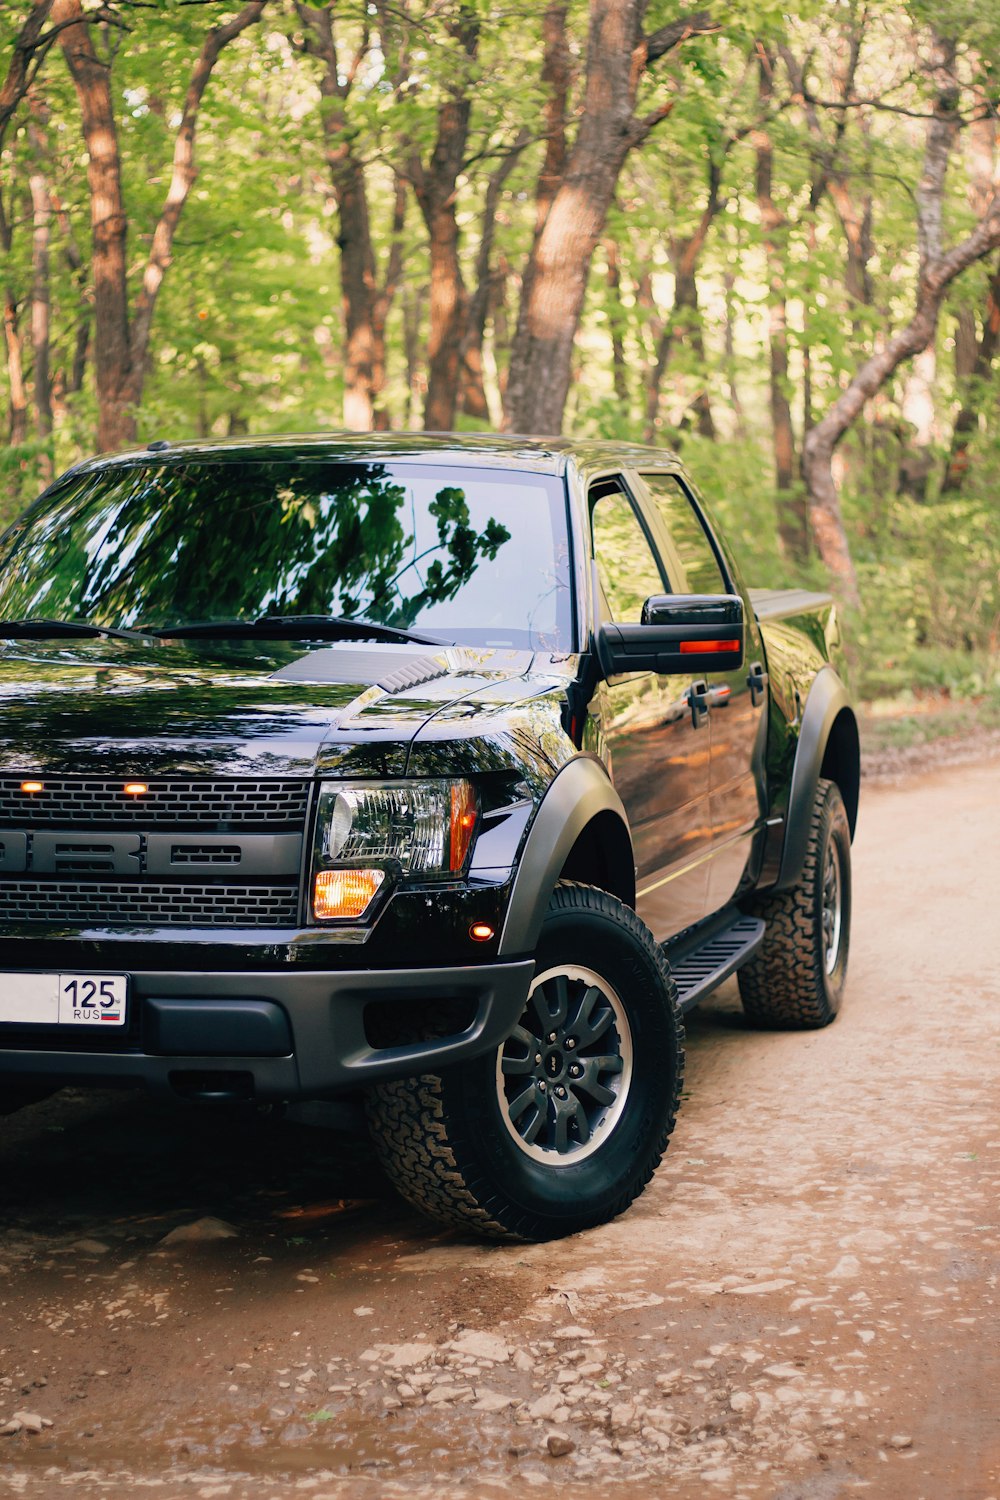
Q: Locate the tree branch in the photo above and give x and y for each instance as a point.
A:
(675, 33)
(29, 52)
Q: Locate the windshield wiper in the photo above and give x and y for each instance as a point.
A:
(297, 628)
(40, 629)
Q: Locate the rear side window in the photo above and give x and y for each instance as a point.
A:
(694, 556)
(628, 571)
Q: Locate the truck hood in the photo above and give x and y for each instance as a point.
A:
(111, 708)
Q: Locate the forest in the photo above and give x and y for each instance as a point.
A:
(770, 242)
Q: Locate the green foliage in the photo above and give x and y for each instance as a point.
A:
(249, 327)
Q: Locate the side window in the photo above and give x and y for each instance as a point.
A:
(699, 564)
(628, 570)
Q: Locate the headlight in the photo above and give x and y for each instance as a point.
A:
(416, 830)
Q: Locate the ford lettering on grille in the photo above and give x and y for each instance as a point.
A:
(203, 870)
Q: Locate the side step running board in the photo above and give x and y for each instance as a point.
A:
(720, 955)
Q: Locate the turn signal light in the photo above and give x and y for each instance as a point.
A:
(481, 932)
(32, 786)
(691, 648)
(463, 823)
(344, 893)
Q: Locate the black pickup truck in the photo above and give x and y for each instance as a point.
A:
(441, 774)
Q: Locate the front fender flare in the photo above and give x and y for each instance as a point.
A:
(580, 793)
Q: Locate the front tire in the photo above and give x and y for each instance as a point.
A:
(562, 1127)
(795, 980)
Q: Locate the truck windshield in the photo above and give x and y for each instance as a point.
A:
(475, 556)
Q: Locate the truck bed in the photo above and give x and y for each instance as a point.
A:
(782, 604)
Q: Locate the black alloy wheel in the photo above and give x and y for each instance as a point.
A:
(562, 1127)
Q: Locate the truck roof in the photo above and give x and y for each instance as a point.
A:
(479, 449)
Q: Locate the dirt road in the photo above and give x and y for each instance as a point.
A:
(804, 1304)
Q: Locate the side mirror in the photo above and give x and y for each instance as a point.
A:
(687, 634)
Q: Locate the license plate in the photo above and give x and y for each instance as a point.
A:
(63, 999)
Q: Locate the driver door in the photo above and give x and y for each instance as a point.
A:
(659, 752)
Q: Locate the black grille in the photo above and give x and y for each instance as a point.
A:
(206, 854)
(147, 904)
(73, 802)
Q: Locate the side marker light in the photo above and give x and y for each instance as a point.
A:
(481, 932)
(695, 648)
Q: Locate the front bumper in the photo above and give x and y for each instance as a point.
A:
(281, 1035)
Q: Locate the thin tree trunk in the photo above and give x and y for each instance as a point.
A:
(792, 525)
(654, 383)
(435, 186)
(17, 423)
(413, 300)
(472, 395)
(618, 370)
(384, 298)
(40, 311)
(729, 284)
(970, 384)
(354, 240)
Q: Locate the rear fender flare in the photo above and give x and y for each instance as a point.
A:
(828, 741)
(581, 795)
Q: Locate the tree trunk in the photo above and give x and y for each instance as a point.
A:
(970, 383)
(109, 227)
(615, 320)
(357, 291)
(17, 424)
(413, 317)
(435, 185)
(559, 265)
(354, 241)
(384, 298)
(729, 283)
(29, 50)
(472, 395)
(555, 282)
(40, 312)
(121, 346)
(792, 527)
(448, 308)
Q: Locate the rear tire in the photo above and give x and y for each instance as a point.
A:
(561, 1127)
(795, 980)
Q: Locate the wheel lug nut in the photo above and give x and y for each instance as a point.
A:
(538, 1058)
(560, 1093)
(541, 1085)
(552, 1036)
(570, 1043)
(576, 1071)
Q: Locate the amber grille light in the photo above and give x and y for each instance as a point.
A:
(32, 786)
(344, 893)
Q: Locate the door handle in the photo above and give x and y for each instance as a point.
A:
(698, 697)
(757, 680)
